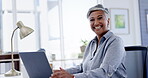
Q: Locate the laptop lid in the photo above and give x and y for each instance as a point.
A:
(36, 64)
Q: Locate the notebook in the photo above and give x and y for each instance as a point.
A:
(36, 64)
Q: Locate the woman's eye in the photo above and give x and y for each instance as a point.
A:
(91, 19)
(99, 18)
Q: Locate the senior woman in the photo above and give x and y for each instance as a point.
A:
(105, 54)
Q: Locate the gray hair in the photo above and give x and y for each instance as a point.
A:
(96, 8)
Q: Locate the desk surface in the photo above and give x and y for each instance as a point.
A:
(2, 76)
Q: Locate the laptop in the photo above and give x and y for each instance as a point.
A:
(36, 64)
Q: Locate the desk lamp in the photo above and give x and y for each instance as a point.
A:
(24, 31)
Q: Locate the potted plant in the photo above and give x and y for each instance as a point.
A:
(82, 48)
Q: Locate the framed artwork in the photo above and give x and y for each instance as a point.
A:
(146, 13)
(119, 21)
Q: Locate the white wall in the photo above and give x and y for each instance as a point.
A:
(134, 36)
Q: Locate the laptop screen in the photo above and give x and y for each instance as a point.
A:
(36, 64)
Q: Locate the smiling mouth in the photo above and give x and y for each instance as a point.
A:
(99, 27)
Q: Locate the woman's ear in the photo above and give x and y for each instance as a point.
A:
(108, 21)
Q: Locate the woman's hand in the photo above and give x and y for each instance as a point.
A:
(61, 74)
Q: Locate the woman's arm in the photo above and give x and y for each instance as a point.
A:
(74, 70)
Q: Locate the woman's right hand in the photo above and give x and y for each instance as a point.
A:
(61, 74)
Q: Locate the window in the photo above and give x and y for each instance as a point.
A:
(16, 10)
(67, 25)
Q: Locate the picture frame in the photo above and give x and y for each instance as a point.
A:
(146, 15)
(119, 20)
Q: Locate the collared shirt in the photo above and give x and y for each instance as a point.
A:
(103, 61)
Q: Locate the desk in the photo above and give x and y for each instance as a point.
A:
(2, 76)
(6, 58)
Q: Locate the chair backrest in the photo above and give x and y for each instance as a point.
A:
(135, 63)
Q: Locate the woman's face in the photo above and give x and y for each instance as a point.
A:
(99, 22)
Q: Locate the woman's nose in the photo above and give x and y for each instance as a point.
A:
(96, 22)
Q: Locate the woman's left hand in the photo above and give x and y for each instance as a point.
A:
(61, 74)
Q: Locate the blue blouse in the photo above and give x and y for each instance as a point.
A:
(104, 61)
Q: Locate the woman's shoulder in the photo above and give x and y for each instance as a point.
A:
(113, 38)
(111, 35)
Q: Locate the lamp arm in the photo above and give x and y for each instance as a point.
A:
(12, 60)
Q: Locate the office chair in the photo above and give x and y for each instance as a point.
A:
(136, 61)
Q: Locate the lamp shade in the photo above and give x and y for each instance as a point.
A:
(24, 30)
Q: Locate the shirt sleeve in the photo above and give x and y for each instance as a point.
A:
(74, 70)
(114, 55)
